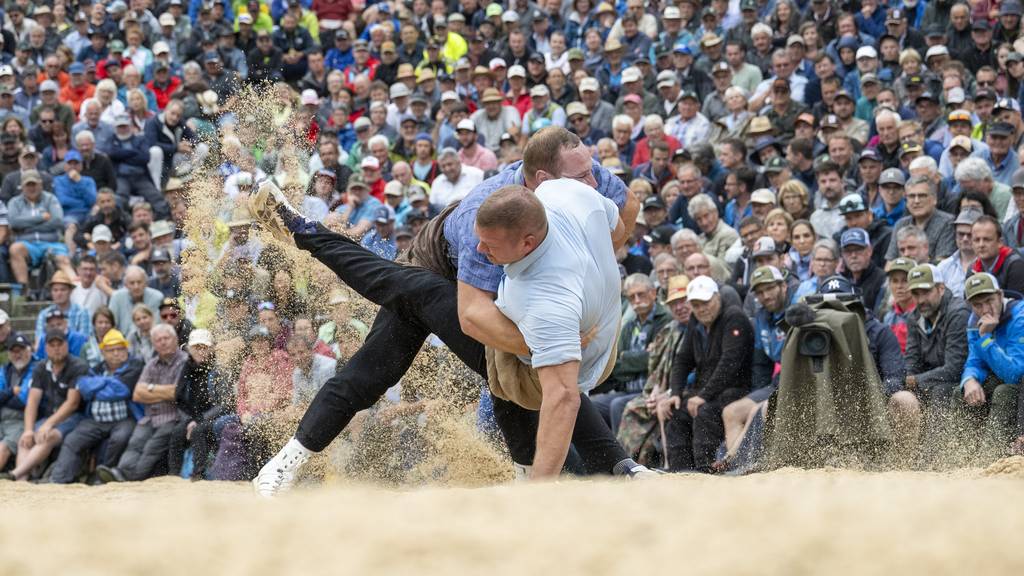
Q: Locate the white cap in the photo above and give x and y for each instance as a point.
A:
(399, 90)
(3, 317)
(310, 98)
(200, 337)
(465, 124)
(449, 95)
(671, 13)
(161, 47)
(510, 16)
(631, 74)
(539, 90)
(590, 84)
(701, 289)
(763, 196)
(370, 162)
(497, 63)
(101, 233)
(167, 19)
(866, 52)
(6, 70)
(517, 70)
(938, 50)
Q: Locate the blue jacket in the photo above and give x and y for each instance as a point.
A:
(77, 198)
(7, 397)
(76, 341)
(131, 156)
(112, 388)
(1001, 352)
(885, 350)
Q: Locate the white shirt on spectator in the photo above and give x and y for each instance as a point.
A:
(569, 284)
(89, 298)
(443, 192)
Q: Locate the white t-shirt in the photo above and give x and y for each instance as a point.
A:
(569, 284)
(443, 192)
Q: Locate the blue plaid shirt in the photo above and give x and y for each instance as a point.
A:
(474, 268)
(79, 320)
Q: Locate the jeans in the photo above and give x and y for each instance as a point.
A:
(147, 451)
(416, 302)
(87, 436)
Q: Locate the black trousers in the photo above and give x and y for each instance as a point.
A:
(692, 441)
(416, 302)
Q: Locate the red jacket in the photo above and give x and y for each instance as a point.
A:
(163, 96)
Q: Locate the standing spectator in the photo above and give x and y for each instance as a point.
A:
(719, 354)
(109, 417)
(150, 441)
(53, 408)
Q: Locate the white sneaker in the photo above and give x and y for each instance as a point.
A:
(278, 475)
(270, 207)
(641, 472)
(522, 472)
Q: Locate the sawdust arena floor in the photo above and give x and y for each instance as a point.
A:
(785, 522)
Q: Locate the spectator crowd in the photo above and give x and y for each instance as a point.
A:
(780, 148)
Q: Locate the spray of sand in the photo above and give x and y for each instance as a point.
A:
(430, 436)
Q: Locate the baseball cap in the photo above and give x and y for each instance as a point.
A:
(539, 91)
(1010, 8)
(980, 283)
(900, 265)
(398, 90)
(516, 71)
(795, 39)
(765, 275)
(660, 235)
(4, 318)
(968, 215)
(934, 51)
(493, 10)
(102, 233)
(631, 74)
(776, 165)
(654, 202)
(370, 162)
(958, 116)
(869, 154)
(676, 289)
(160, 255)
(1018, 178)
(831, 120)
(701, 289)
(356, 181)
(200, 337)
(76, 68)
(722, 66)
(923, 277)
(1001, 129)
(496, 63)
(73, 156)
(52, 335)
(49, 86)
(762, 196)
(31, 176)
(384, 214)
(112, 339)
(869, 78)
(309, 97)
(18, 340)
(465, 124)
(1006, 104)
(361, 123)
(765, 246)
(576, 109)
(866, 52)
(842, 94)
(852, 203)
(589, 84)
(855, 237)
(671, 13)
(910, 148)
(836, 285)
(806, 118)
(56, 312)
(981, 24)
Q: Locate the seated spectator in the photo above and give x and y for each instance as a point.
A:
(638, 331)
(312, 370)
(95, 163)
(719, 355)
(131, 156)
(171, 313)
(204, 396)
(381, 239)
(921, 197)
(165, 278)
(859, 268)
(102, 322)
(912, 242)
(987, 399)
(87, 294)
(455, 181)
(936, 351)
(856, 215)
(303, 326)
(139, 343)
(135, 291)
(149, 444)
(108, 215)
(15, 383)
(36, 220)
(112, 267)
(827, 219)
(900, 302)
(141, 247)
(361, 209)
(472, 153)
(109, 413)
(27, 159)
(954, 269)
(265, 380)
(994, 257)
(57, 321)
(53, 408)
(717, 237)
(78, 318)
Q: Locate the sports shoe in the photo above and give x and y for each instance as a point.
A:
(106, 474)
(630, 468)
(522, 472)
(278, 475)
(271, 209)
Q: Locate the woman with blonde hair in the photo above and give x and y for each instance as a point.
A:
(794, 199)
(139, 343)
(138, 110)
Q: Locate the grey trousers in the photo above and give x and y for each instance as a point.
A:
(147, 448)
(87, 436)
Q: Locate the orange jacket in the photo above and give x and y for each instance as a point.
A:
(75, 96)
